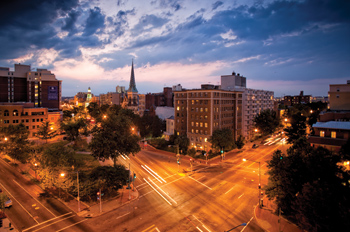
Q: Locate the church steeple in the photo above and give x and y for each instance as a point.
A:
(132, 85)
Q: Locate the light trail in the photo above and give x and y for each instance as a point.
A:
(157, 192)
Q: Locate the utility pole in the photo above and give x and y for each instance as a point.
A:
(100, 201)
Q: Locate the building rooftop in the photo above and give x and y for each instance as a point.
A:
(333, 125)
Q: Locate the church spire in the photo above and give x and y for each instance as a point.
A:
(132, 85)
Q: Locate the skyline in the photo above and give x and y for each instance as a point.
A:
(282, 46)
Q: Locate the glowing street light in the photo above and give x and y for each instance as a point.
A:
(5, 139)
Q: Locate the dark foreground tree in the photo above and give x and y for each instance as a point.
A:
(183, 142)
(46, 131)
(310, 187)
(297, 129)
(267, 121)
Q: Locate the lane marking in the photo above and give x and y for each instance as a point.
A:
(201, 223)
(229, 190)
(71, 225)
(157, 192)
(200, 183)
(149, 228)
(123, 215)
(47, 221)
(34, 198)
(247, 224)
(53, 223)
(19, 203)
(241, 195)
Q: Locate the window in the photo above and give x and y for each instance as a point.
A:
(201, 124)
(33, 120)
(15, 113)
(321, 133)
(334, 134)
(6, 121)
(41, 119)
(33, 127)
(15, 121)
(6, 113)
(27, 127)
(205, 124)
(192, 123)
(22, 120)
(37, 120)
(27, 120)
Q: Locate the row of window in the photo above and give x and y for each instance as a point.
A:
(27, 120)
(333, 134)
(200, 139)
(15, 113)
(199, 124)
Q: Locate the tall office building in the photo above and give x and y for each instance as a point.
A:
(198, 112)
(24, 85)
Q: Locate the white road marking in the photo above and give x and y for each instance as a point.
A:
(123, 215)
(241, 195)
(47, 221)
(34, 198)
(18, 203)
(229, 190)
(247, 224)
(201, 183)
(71, 225)
(53, 223)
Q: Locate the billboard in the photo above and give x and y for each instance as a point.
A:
(53, 93)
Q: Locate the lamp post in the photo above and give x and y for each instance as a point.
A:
(78, 198)
(59, 188)
(35, 167)
(259, 196)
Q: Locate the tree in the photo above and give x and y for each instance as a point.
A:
(111, 178)
(17, 144)
(3, 199)
(151, 126)
(114, 137)
(74, 128)
(183, 142)
(310, 187)
(222, 139)
(297, 128)
(267, 121)
(240, 142)
(46, 131)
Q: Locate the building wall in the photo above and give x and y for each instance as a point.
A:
(254, 101)
(31, 117)
(199, 112)
(24, 85)
(339, 97)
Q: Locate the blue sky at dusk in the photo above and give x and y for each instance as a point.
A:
(283, 46)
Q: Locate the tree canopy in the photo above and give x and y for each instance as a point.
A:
(17, 144)
(267, 121)
(222, 139)
(114, 136)
(310, 186)
(46, 131)
(297, 128)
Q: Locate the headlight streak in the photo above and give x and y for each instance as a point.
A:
(151, 174)
(155, 173)
(157, 191)
(163, 191)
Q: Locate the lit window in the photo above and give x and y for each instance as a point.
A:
(334, 134)
(178, 108)
(321, 133)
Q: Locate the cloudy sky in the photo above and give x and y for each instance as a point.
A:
(283, 46)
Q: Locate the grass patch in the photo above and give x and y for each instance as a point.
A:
(89, 161)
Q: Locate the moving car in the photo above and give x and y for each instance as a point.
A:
(8, 203)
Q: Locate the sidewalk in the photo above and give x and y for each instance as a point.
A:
(268, 220)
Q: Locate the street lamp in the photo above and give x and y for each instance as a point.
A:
(78, 198)
(5, 139)
(59, 188)
(259, 196)
(35, 167)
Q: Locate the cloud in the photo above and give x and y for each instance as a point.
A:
(94, 22)
(217, 4)
(70, 22)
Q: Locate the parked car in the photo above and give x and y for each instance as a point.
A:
(8, 203)
(255, 145)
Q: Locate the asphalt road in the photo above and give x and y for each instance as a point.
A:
(215, 197)
(29, 211)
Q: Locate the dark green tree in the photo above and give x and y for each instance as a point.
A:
(267, 121)
(16, 145)
(74, 128)
(46, 131)
(297, 129)
(310, 187)
(183, 142)
(240, 142)
(222, 139)
(113, 137)
(111, 177)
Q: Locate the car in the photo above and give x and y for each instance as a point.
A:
(8, 203)
(255, 145)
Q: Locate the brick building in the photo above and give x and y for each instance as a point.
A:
(24, 85)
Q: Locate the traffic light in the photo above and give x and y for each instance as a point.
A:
(259, 186)
(281, 157)
(134, 175)
(222, 151)
(98, 193)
